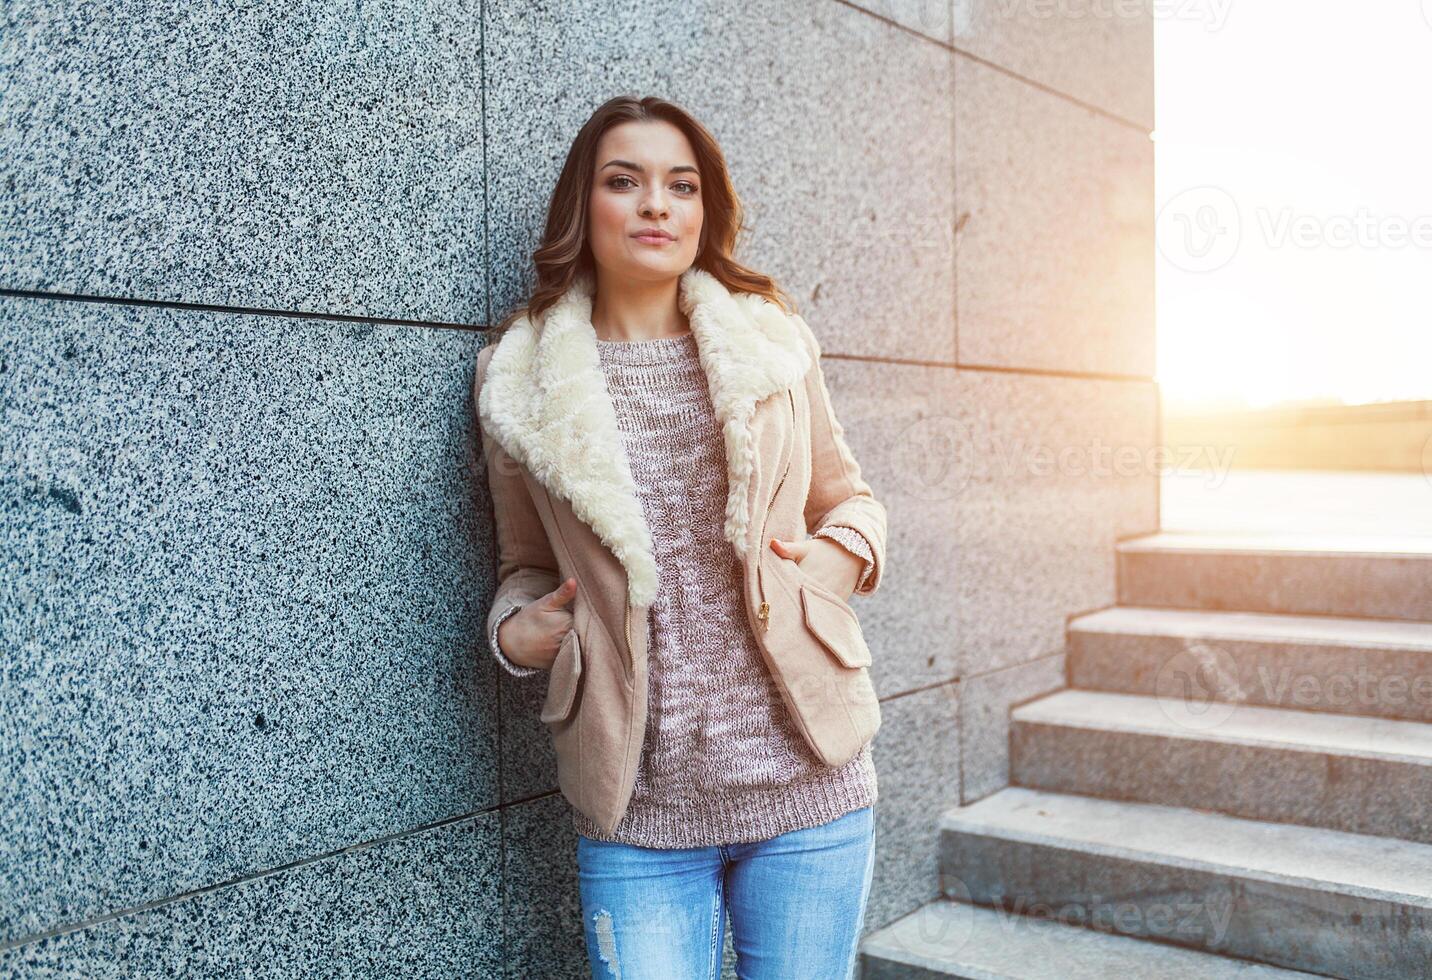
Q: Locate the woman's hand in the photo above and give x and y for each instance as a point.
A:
(531, 636)
(825, 560)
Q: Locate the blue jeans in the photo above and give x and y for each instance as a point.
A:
(797, 904)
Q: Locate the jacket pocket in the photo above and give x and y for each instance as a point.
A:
(563, 680)
(835, 624)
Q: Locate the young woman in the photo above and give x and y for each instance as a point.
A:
(680, 524)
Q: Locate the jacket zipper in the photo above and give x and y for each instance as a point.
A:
(626, 625)
(764, 612)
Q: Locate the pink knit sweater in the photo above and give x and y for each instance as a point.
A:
(721, 761)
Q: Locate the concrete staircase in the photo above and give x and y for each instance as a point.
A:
(1237, 782)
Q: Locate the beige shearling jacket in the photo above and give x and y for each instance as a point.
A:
(565, 504)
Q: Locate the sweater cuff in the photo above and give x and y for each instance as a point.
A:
(515, 670)
(854, 542)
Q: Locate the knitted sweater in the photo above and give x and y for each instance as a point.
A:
(721, 760)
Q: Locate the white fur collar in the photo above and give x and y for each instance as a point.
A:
(544, 400)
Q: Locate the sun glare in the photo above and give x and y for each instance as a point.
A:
(1294, 229)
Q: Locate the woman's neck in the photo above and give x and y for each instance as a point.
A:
(626, 309)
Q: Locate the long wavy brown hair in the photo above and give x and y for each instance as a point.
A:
(564, 252)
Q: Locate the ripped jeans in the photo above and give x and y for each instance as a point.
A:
(796, 901)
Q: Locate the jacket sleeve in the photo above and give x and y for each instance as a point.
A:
(839, 494)
(526, 566)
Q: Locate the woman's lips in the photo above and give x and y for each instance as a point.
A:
(654, 239)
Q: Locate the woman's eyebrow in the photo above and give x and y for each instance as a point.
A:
(629, 165)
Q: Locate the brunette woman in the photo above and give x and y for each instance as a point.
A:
(680, 524)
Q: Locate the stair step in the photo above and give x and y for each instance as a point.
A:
(1360, 666)
(1361, 775)
(1378, 577)
(948, 939)
(1304, 898)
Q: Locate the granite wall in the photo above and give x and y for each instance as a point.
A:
(247, 725)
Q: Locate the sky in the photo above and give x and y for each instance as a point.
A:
(1293, 192)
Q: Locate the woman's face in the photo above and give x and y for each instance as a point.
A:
(645, 179)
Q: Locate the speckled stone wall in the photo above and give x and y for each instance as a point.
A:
(247, 723)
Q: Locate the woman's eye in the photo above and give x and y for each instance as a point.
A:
(690, 187)
(613, 181)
